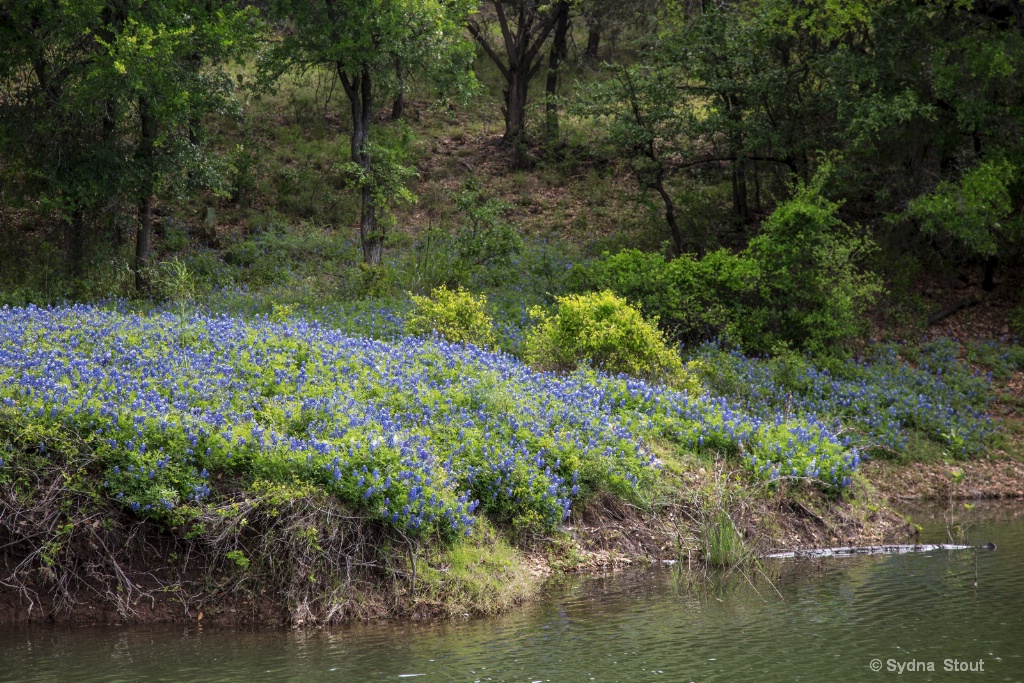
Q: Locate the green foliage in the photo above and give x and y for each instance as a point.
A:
(812, 292)
(976, 211)
(921, 98)
(174, 282)
(456, 315)
(239, 559)
(478, 250)
(485, 240)
(276, 254)
(369, 35)
(115, 96)
(721, 543)
(386, 179)
(647, 123)
(797, 284)
(607, 332)
(371, 46)
(694, 299)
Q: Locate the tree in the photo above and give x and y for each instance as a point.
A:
(161, 70)
(766, 110)
(559, 52)
(118, 89)
(976, 214)
(51, 148)
(606, 20)
(522, 42)
(650, 125)
(912, 94)
(362, 42)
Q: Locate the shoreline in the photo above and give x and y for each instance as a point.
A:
(607, 534)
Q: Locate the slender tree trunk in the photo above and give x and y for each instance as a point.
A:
(739, 190)
(143, 242)
(670, 216)
(757, 188)
(360, 96)
(144, 234)
(398, 104)
(559, 51)
(593, 40)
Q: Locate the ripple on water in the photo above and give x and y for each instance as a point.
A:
(822, 620)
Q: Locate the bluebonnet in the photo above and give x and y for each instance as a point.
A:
(419, 433)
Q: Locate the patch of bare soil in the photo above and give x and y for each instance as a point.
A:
(966, 480)
(610, 533)
(547, 200)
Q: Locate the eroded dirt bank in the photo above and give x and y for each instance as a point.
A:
(315, 563)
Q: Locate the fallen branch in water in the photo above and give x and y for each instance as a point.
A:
(876, 550)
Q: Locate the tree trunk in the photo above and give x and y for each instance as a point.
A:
(559, 51)
(989, 281)
(670, 216)
(515, 105)
(739, 190)
(593, 40)
(360, 96)
(371, 237)
(398, 106)
(144, 234)
(143, 242)
(522, 44)
(757, 188)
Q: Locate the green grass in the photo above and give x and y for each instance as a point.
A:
(721, 544)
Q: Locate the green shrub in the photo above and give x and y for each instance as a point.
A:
(480, 248)
(797, 285)
(811, 293)
(694, 299)
(456, 315)
(485, 239)
(976, 212)
(606, 331)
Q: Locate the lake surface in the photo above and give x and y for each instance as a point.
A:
(822, 621)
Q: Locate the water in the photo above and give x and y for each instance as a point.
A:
(822, 621)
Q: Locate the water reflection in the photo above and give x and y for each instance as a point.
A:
(813, 621)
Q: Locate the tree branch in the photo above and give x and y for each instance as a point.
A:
(510, 44)
(482, 41)
(543, 30)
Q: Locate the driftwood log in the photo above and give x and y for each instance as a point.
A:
(876, 550)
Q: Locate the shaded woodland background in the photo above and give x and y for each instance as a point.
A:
(842, 163)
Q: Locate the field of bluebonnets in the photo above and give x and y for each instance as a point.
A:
(423, 434)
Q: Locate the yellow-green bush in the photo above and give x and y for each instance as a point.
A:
(607, 332)
(455, 314)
